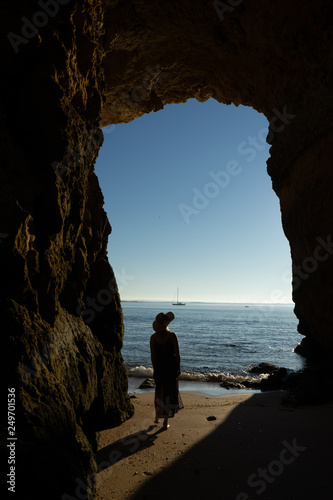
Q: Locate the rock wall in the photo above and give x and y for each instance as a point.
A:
(64, 361)
(72, 66)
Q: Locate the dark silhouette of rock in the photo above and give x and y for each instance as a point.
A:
(148, 383)
(274, 381)
(91, 64)
(253, 383)
(313, 385)
(264, 368)
(228, 384)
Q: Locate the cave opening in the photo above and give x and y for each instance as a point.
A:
(188, 198)
(191, 205)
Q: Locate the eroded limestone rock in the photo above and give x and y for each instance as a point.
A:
(68, 373)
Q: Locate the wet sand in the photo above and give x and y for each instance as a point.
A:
(252, 447)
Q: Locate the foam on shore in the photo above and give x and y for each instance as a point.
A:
(201, 382)
(208, 388)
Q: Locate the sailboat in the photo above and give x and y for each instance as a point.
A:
(178, 303)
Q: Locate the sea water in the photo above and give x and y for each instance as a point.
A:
(218, 342)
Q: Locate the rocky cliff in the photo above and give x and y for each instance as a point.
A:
(72, 66)
(64, 363)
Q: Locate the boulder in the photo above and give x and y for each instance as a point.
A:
(275, 380)
(264, 368)
(147, 384)
(231, 385)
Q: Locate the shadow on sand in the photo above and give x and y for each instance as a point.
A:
(126, 446)
(261, 451)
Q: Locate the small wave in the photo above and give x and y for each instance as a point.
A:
(244, 379)
(222, 377)
(140, 371)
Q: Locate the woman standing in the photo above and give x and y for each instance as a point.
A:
(165, 358)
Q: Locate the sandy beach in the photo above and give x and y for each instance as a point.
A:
(236, 447)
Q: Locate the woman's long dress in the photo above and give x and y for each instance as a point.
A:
(167, 397)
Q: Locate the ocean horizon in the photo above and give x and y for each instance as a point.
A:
(207, 302)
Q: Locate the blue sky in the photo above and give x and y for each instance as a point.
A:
(191, 206)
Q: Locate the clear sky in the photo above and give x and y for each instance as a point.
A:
(191, 206)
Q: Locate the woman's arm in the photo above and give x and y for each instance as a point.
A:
(176, 348)
(152, 351)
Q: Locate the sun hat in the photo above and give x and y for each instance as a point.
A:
(162, 320)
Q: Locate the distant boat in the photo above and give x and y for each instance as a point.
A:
(178, 303)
